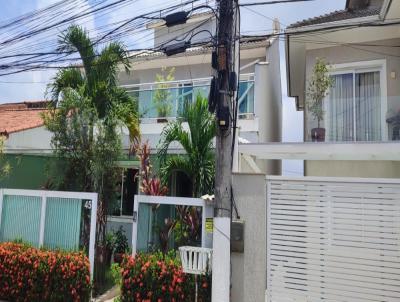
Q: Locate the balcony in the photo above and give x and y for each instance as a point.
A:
(165, 101)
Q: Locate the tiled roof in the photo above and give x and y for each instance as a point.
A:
(246, 42)
(15, 120)
(24, 105)
(339, 15)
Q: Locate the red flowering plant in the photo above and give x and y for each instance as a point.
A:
(159, 278)
(30, 274)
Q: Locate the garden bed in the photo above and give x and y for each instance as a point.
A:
(158, 277)
(30, 274)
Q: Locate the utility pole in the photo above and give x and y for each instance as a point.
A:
(226, 86)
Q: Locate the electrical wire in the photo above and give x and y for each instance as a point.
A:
(273, 2)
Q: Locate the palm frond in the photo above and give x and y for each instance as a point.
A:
(106, 65)
(75, 38)
(173, 132)
(198, 163)
(173, 164)
(65, 78)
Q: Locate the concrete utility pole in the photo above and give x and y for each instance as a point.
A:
(227, 82)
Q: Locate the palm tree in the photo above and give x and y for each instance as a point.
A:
(198, 162)
(97, 78)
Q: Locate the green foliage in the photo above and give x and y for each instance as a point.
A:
(121, 242)
(88, 112)
(98, 79)
(188, 228)
(159, 277)
(198, 163)
(116, 274)
(5, 167)
(317, 89)
(30, 274)
(162, 95)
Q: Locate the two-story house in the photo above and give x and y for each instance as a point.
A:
(362, 108)
(259, 90)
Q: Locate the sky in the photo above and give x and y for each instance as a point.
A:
(255, 20)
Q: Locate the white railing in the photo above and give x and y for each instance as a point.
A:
(180, 83)
(44, 196)
(196, 260)
(333, 239)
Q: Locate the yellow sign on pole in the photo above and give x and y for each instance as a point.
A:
(209, 225)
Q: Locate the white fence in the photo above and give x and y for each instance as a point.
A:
(47, 218)
(333, 239)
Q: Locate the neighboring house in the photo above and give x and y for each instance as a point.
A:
(259, 97)
(362, 110)
(27, 144)
(259, 89)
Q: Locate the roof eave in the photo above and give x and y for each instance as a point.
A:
(330, 25)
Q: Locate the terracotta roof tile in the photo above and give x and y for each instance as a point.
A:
(20, 119)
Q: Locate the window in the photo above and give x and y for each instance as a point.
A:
(127, 189)
(185, 95)
(354, 106)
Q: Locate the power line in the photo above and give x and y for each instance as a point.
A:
(272, 2)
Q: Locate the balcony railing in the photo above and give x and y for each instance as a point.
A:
(166, 100)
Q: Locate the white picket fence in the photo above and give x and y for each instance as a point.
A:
(36, 216)
(333, 239)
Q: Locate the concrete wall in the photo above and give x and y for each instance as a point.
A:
(370, 169)
(32, 139)
(268, 104)
(249, 269)
(114, 223)
(29, 171)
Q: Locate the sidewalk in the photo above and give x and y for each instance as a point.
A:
(108, 296)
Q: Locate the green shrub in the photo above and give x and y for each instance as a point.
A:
(30, 274)
(158, 277)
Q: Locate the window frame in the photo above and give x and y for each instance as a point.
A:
(362, 67)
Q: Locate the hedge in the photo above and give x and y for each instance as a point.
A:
(159, 278)
(30, 274)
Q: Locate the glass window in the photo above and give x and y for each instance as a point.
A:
(354, 107)
(127, 189)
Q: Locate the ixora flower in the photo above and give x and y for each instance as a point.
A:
(158, 277)
(29, 274)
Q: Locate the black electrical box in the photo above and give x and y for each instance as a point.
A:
(176, 18)
(233, 81)
(213, 96)
(237, 236)
(223, 116)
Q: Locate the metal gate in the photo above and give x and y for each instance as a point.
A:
(333, 239)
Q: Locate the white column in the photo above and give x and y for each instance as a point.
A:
(92, 240)
(42, 219)
(221, 262)
(134, 225)
(1, 204)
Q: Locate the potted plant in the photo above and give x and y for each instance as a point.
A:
(317, 90)
(162, 95)
(121, 245)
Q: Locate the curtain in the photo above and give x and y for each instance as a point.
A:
(354, 115)
(340, 109)
(368, 106)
